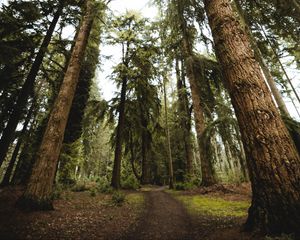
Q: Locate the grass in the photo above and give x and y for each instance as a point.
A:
(214, 206)
(135, 198)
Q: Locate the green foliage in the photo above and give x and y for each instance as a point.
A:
(93, 192)
(70, 157)
(104, 186)
(131, 183)
(215, 206)
(118, 198)
(180, 186)
(57, 191)
(80, 187)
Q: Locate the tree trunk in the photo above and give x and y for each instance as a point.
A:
(116, 174)
(9, 131)
(171, 172)
(38, 192)
(258, 56)
(132, 159)
(9, 170)
(273, 162)
(189, 59)
(207, 172)
(146, 168)
(185, 116)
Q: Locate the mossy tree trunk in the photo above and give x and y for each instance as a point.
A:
(38, 193)
(273, 162)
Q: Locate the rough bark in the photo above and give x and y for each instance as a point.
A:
(259, 58)
(9, 131)
(273, 162)
(38, 192)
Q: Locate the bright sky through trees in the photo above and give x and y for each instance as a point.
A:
(119, 7)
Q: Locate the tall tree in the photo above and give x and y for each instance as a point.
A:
(273, 162)
(9, 131)
(38, 192)
(74, 129)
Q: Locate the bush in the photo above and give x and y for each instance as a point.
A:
(80, 187)
(93, 192)
(131, 183)
(184, 186)
(104, 186)
(118, 198)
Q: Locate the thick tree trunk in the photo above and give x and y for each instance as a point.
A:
(273, 162)
(116, 174)
(38, 192)
(74, 128)
(258, 56)
(9, 131)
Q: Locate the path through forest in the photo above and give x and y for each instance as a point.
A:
(164, 218)
(150, 213)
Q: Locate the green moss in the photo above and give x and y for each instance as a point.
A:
(214, 206)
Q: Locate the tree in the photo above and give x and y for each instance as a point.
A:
(185, 29)
(137, 104)
(9, 131)
(272, 159)
(69, 155)
(37, 195)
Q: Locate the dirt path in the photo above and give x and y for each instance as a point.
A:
(164, 218)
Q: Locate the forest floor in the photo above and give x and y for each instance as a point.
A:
(215, 213)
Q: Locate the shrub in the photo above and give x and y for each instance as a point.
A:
(93, 192)
(131, 183)
(184, 186)
(79, 187)
(118, 198)
(104, 186)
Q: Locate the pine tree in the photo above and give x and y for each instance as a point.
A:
(39, 189)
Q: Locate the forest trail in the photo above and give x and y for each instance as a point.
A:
(164, 218)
